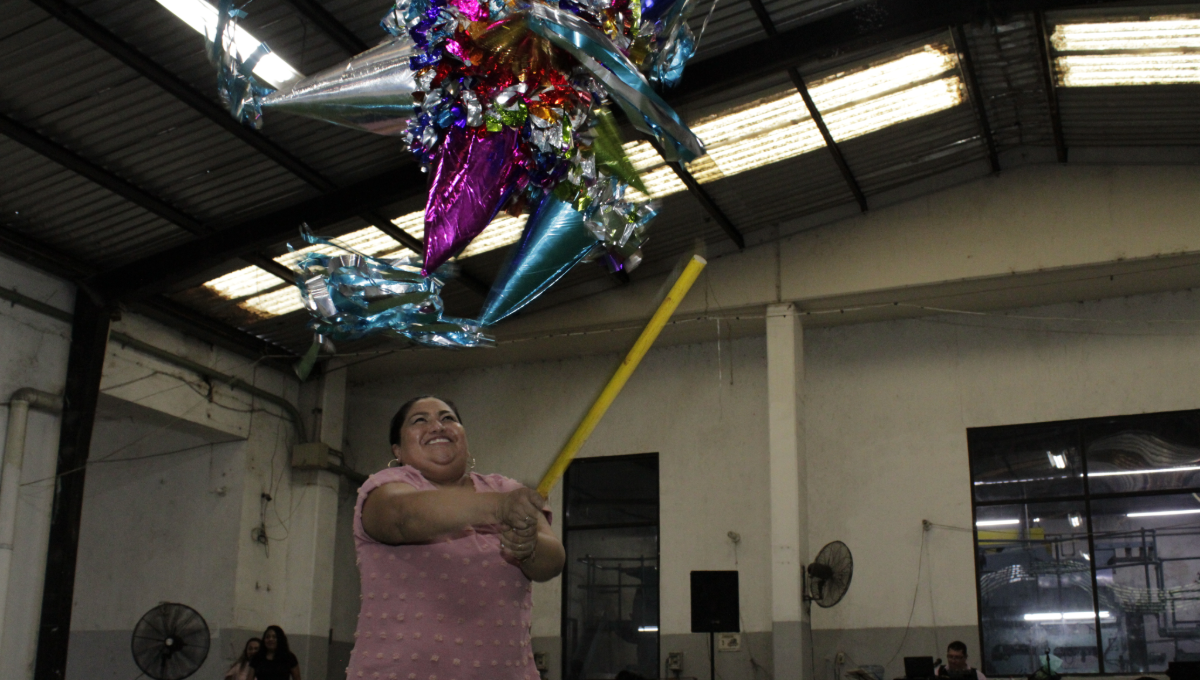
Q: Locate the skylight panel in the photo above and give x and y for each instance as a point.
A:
(898, 107)
(1157, 51)
(202, 17)
(266, 295)
(779, 127)
(840, 90)
(245, 282)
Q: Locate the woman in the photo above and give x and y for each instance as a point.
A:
(275, 660)
(446, 557)
(241, 669)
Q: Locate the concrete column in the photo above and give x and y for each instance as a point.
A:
(789, 516)
(312, 538)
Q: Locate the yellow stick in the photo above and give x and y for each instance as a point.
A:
(626, 369)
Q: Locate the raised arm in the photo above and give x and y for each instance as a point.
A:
(398, 513)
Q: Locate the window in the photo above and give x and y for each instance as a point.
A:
(1087, 543)
(610, 584)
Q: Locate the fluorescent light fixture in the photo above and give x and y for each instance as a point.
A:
(1185, 468)
(1158, 51)
(996, 522)
(1164, 513)
(779, 126)
(202, 17)
(647, 629)
(1075, 519)
(1037, 519)
(1057, 460)
(1065, 616)
(1089, 559)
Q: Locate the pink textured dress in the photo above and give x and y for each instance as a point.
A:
(449, 610)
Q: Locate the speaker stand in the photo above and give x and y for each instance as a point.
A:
(712, 656)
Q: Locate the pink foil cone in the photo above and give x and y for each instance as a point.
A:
(474, 174)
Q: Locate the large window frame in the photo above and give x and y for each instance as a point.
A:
(1093, 492)
(642, 523)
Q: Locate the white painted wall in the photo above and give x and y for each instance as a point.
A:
(887, 408)
(34, 355)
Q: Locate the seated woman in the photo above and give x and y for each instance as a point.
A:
(446, 558)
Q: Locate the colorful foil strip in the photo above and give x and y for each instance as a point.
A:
(351, 296)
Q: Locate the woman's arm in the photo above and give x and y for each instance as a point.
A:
(296, 671)
(397, 513)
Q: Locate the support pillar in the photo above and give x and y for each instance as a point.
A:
(312, 539)
(85, 367)
(789, 514)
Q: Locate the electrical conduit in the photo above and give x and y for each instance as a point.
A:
(10, 475)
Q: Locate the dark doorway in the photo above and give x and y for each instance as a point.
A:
(610, 585)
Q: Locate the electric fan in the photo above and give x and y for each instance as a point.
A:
(829, 574)
(170, 642)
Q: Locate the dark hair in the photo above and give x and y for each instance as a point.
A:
(958, 647)
(282, 651)
(245, 657)
(398, 419)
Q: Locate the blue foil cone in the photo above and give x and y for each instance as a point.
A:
(554, 241)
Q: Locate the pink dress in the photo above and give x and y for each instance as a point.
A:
(453, 609)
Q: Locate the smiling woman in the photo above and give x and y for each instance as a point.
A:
(446, 558)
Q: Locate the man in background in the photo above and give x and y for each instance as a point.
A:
(956, 664)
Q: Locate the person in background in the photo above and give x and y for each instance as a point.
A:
(956, 664)
(274, 660)
(241, 669)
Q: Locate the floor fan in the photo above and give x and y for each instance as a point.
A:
(170, 642)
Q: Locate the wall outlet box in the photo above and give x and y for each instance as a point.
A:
(539, 661)
(675, 661)
(729, 642)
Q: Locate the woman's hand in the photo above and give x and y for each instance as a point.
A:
(519, 544)
(519, 510)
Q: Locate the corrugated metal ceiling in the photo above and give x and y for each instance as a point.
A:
(55, 81)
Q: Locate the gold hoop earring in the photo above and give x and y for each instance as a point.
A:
(394, 460)
(470, 463)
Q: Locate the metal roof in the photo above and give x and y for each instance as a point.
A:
(111, 152)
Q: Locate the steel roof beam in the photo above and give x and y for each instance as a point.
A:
(968, 69)
(50, 149)
(156, 272)
(846, 32)
(835, 151)
(328, 24)
(21, 247)
(710, 206)
(198, 101)
(162, 309)
(1060, 143)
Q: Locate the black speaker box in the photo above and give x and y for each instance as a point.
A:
(715, 602)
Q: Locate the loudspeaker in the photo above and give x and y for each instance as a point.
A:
(715, 602)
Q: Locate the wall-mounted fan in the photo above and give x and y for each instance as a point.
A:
(829, 575)
(170, 642)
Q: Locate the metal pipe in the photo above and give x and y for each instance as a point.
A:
(10, 477)
(205, 372)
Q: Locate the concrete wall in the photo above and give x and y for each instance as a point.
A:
(34, 355)
(176, 509)
(887, 408)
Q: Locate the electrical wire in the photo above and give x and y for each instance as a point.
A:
(916, 589)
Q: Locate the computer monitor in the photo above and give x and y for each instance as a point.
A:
(918, 667)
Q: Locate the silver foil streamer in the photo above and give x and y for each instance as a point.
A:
(373, 91)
